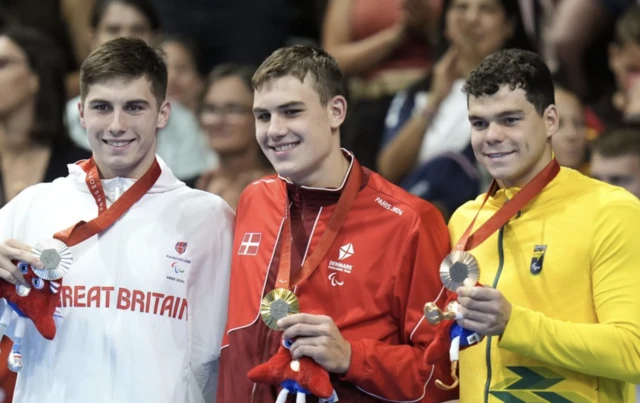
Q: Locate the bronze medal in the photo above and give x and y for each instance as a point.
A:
(459, 269)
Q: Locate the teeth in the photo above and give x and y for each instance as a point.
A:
(118, 143)
(285, 147)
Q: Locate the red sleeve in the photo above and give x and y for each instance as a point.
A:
(399, 373)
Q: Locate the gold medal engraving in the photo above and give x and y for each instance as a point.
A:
(278, 304)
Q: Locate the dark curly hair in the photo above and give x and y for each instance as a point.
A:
(517, 69)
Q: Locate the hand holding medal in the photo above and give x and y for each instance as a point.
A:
(37, 298)
(301, 376)
(460, 269)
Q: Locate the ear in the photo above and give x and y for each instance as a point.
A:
(337, 109)
(81, 110)
(551, 120)
(163, 115)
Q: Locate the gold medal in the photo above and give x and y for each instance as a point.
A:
(278, 304)
(458, 269)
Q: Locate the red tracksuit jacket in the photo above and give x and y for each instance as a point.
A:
(373, 282)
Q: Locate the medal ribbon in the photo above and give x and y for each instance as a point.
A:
(348, 196)
(509, 209)
(83, 230)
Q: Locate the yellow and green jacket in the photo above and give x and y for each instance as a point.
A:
(569, 263)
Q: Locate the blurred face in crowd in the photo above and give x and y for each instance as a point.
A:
(226, 116)
(624, 61)
(185, 83)
(122, 20)
(122, 118)
(509, 137)
(478, 27)
(295, 131)
(18, 83)
(570, 141)
(622, 170)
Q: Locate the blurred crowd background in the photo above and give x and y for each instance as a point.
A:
(405, 62)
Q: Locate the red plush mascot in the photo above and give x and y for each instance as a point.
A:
(300, 377)
(38, 302)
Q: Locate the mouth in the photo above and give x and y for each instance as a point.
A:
(285, 147)
(498, 155)
(118, 144)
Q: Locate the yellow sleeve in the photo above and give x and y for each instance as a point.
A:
(610, 348)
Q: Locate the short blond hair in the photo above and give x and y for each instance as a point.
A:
(301, 61)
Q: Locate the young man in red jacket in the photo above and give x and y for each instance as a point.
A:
(357, 254)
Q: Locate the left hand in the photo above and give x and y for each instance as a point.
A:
(317, 337)
(484, 310)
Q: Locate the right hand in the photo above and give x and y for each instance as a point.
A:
(16, 250)
(445, 72)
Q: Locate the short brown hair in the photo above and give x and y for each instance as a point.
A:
(515, 68)
(627, 29)
(618, 141)
(128, 59)
(300, 61)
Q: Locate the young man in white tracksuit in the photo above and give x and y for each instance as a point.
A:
(144, 300)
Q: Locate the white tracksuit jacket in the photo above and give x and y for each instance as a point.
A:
(142, 322)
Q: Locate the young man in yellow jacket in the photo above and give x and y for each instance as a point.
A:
(558, 294)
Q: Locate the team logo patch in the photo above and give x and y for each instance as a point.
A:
(250, 244)
(538, 259)
(181, 247)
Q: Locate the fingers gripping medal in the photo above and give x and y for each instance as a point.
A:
(301, 376)
(460, 268)
(38, 301)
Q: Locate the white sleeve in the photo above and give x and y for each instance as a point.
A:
(208, 292)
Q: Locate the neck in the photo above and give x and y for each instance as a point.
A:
(522, 180)
(15, 129)
(134, 172)
(233, 164)
(331, 175)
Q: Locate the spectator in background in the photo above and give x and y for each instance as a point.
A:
(615, 158)
(34, 144)
(427, 125)
(180, 144)
(579, 34)
(185, 80)
(622, 104)
(569, 143)
(382, 50)
(226, 117)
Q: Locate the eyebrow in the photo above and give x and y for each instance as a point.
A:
(133, 101)
(293, 104)
(503, 114)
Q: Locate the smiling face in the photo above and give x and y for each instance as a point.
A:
(122, 119)
(226, 116)
(509, 137)
(478, 26)
(298, 134)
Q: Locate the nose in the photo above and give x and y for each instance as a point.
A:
(471, 15)
(277, 127)
(116, 126)
(494, 134)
